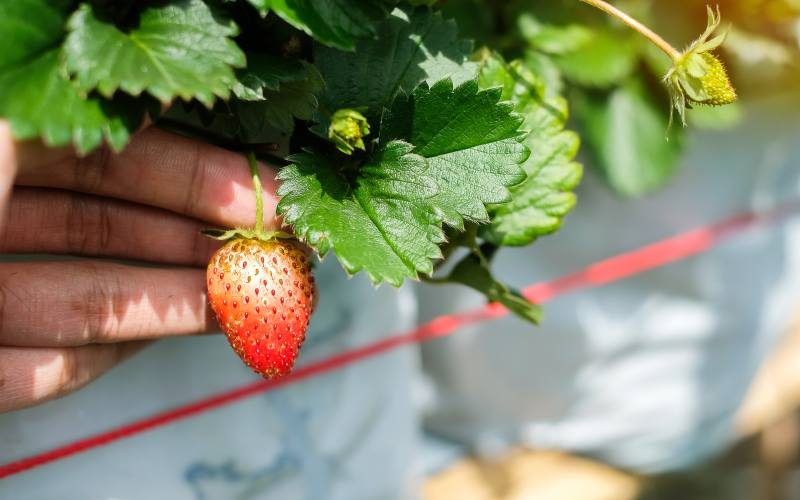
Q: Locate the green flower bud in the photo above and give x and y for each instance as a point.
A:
(347, 130)
(697, 76)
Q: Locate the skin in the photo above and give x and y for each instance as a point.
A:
(66, 321)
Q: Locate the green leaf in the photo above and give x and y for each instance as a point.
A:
(473, 271)
(626, 130)
(380, 222)
(471, 142)
(338, 23)
(180, 49)
(36, 97)
(539, 204)
(29, 28)
(386, 216)
(410, 48)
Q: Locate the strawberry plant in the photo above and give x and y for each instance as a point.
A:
(399, 143)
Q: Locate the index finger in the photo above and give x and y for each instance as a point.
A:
(8, 166)
(165, 170)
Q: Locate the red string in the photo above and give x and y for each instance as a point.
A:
(602, 272)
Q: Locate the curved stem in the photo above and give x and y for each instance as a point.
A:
(251, 158)
(651, 35)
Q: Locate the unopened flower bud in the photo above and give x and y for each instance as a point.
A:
(347, 130)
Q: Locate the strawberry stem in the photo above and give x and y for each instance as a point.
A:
(651, 35)
(251, 158)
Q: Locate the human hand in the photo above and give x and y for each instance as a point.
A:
(65, 322)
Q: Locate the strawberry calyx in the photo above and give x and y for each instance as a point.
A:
(245, 233)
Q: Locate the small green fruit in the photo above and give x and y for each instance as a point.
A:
(698, 76)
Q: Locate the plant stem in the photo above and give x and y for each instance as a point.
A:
(251, 158)
(651, 35)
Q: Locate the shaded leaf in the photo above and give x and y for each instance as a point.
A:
(266, 72)
(269, 119)
(605, 58)
(279, 107)
(552, 38)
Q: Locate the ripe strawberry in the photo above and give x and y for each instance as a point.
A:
(262, 293)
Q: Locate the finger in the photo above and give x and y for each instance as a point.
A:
(8, 166)
(163, 170)
(56, 304)
(66, 222)
(30, 376)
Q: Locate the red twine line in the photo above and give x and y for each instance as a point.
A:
(615, 268)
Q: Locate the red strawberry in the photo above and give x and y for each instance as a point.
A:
(262, 293)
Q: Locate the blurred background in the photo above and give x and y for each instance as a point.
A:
(680, 383)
